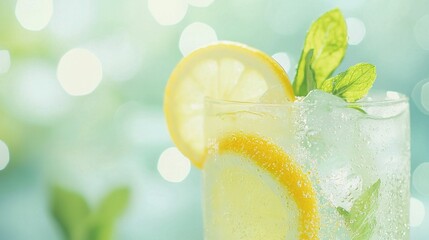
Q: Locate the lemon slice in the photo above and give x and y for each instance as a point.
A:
(227, 71)
(254, 190)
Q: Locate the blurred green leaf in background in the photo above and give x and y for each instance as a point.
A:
(78, 222)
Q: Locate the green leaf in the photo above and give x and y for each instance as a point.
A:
(72, 213)
(101, 231)
(327, 37)
(70, 210)
(344, 213)
(361, 219)
(357, 107)
(352, 84)
(309, 73)
(111, 207)
(114, 204)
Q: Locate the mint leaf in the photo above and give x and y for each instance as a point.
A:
(309, 73)
(114, 204)
(78, 222)
(353, 84)
(111, 207)
(361, 219)
(71, 211)
(357, 107)
(344, 213)
(327, 37)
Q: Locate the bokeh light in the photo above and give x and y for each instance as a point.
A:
(4, 61)
(284, 60)
(173, 166)
(34, 15)
(421, 32)
(4, 155)
(168, 12)
(196, 35)
(425, 96)
(420, 96)
(79, 72)
(200, 3)
(420, 180)
(356, 30)
(417, 212)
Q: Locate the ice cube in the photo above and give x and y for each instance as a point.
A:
(320, 97)
(341, 187)
(333, 142)
(327, 122)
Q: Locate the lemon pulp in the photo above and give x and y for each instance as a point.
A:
(225, 71)
(254, 190)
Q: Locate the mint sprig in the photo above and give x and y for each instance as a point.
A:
(327, 38)
(324, 49)
(309, 76)
(78, 222)
(361, 219)
(352, 84)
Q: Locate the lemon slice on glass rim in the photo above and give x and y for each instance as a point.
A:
(223, 70)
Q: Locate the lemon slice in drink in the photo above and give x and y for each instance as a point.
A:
(224, 70)
(254, 190)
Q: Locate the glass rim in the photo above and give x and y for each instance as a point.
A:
(402, 98)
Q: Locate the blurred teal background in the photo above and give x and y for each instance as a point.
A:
(81, 89)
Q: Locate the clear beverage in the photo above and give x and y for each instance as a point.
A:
(345, 173)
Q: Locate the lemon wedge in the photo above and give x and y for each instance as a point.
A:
(224, 70)
(254, 190)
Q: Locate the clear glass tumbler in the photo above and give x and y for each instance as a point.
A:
(319, 168)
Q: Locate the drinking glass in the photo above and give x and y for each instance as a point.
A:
(318, 168)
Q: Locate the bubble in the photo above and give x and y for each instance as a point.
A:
(420, 96)
(421, 32)
(4, 61)
(196, 35)
(200, 3)
(173, 166)
(79, 72)
(168, 12)
(283, 59)
(34, 15)
(420, 179)
(356, 30)
(417, 212)
(4, 155)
